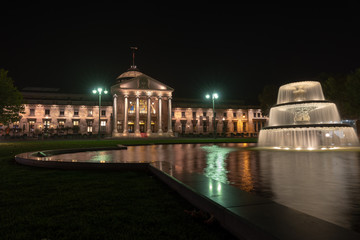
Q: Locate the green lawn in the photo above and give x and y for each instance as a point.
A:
(40, 203)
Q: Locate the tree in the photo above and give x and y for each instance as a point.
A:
(11, 100)
(343, 91)
(268, 98)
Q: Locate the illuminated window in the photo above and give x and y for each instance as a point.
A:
(46, 124)
(76, 122)
(31, 125)
(244, 115)
(153, 111)
(61, 123)
(89, 126)
(90, 112)
(131, 107)
(103, 126)
(143, 106)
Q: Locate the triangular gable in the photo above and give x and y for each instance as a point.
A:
(144, 82)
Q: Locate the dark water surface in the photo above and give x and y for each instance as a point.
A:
(322, 184)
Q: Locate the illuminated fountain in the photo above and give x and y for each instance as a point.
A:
(303, 119)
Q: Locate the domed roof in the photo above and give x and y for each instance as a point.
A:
(130, 73)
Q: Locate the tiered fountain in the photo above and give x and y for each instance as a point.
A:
(303, 120)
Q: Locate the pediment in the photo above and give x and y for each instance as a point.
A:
(144, 82)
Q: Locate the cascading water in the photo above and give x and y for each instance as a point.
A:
(303, 119)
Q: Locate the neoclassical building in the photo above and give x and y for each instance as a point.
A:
(141, 105)
(138, 106)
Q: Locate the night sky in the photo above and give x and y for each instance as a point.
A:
(235, 49)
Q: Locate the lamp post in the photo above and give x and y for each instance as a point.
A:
(99, 91)
(213, 97)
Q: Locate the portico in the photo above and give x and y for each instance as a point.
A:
(141, 106)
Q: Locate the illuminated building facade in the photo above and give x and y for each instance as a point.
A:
(138, 106)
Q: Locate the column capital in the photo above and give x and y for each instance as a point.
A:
(126, 95)
(115, 96)
(160, 97)
(169, 97)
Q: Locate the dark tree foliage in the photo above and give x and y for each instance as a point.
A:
(344, 91)
(11, 100)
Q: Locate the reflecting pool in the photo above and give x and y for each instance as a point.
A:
(322, 184)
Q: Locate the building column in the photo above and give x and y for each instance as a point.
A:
(159, 116)
(169, 116)
(125, 132)
(115, 113)
(148, 123)
(137, 116)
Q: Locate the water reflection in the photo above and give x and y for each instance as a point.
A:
(323, 184)
(215, 162)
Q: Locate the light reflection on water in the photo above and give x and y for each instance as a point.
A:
(322, 184)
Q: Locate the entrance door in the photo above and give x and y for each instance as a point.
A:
(131, 128)
(142, 128)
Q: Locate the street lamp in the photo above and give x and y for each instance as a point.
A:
(213, 97)
(99, 91)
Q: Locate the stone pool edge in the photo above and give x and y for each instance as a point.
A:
(257, 220)
(27, 159)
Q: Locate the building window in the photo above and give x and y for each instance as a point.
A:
(131, 107)
(61, 123)
(103, 112)
(172, 114)
(62, 112)
(47, 111)
(119, 126)
(235, 126)
(204, 114)
(103, 126)
(204, 126)
(234, 115)
(142, 106)
(254, 115)
(244, 115)
(76, 122)
(46, 124)
(90, 113)
(76, 112)
(183, 114)
(32, 112)
(89, 126)
(31, 125)
(225, 114)
(194, 114)
(259, 114)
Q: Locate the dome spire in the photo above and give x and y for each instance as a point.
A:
(133, 57)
